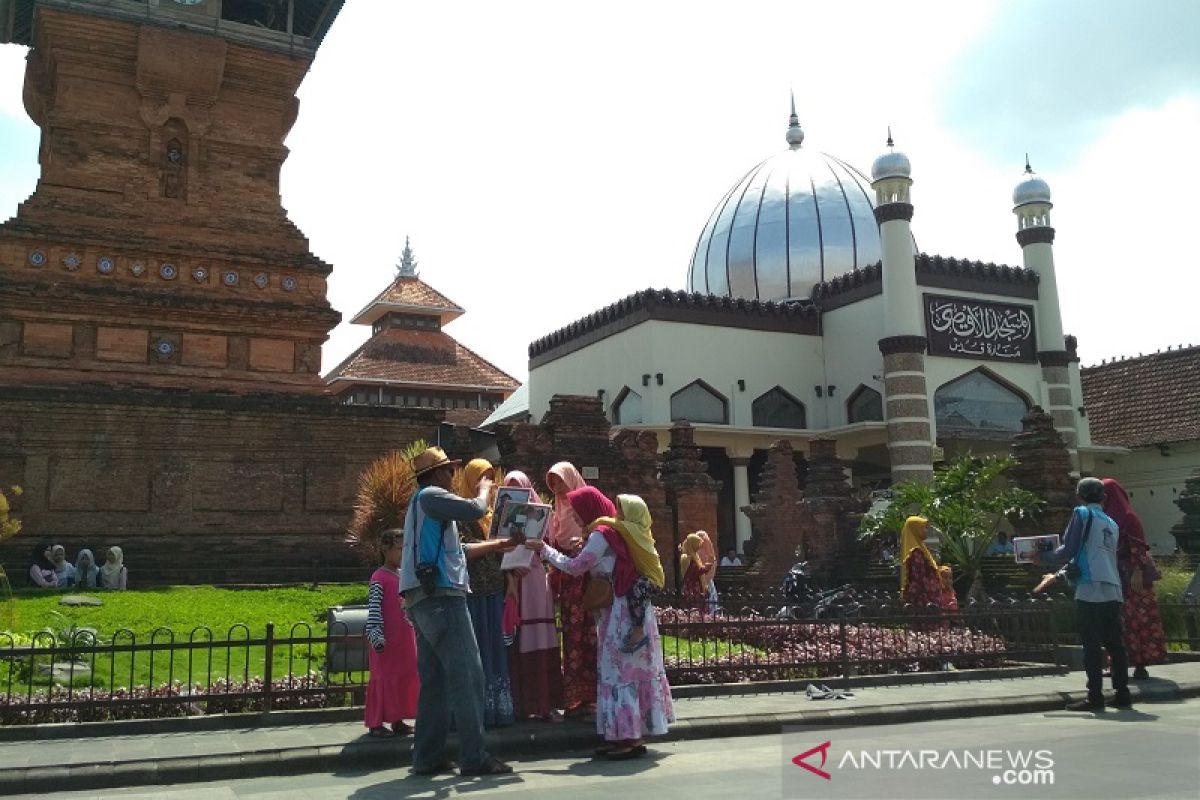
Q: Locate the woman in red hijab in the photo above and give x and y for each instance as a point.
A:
(578, 631)
(1142, 626)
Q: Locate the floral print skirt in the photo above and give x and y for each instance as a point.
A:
(633, 698)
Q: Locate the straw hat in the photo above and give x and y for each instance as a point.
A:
(431, 459)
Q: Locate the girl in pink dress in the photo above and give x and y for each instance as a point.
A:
(393, 687)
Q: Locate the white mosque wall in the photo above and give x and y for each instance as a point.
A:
(683, 353)
(851, 339)
(1154, 482)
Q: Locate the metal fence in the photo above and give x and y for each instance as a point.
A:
(76, 676)
(753, 637)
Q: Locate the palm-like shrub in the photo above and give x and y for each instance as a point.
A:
(384, 491)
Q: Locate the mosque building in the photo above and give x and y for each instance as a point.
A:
(811, 314)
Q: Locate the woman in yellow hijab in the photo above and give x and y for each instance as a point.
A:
(633, 523)
(694, 569)
(922, 581)
(485, 601)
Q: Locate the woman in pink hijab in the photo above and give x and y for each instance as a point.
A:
(1142, 626)
(578, 627)
(534, 661)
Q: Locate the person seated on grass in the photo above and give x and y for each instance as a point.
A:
(113, 574)
(64, 571)
(41, 570)
(86, 571)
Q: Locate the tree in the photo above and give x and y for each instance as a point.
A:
(966, 502)
(9, 528)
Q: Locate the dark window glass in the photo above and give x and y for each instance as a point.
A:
(698, 403)
(778, 409)
(865, 405)
(977, 405)
(628, 409)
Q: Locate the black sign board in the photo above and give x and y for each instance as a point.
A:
(968, 328)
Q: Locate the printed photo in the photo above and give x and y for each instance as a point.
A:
(504, 496)
(1025, 548)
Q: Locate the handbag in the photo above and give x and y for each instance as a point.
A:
(597, 593)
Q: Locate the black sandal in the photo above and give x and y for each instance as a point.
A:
(445, 765)
(619, 754)
(381, 733)
(493, 766)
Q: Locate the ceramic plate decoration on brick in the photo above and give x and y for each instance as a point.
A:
(168, 272)
(164, 347)
(105, 265)
(72, 261)
(230, 278)
(37, 258)
(137, 269)
(289, 283)
(261, 280)
(201, 275)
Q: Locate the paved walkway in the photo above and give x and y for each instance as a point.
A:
(61, 764)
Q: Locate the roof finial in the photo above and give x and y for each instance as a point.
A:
(1028, 169)
(890, 143)
(407, 268)
(795, 134)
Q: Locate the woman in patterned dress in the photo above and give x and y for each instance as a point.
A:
(578, 632)
(1141, 626)
(922, 581)
(633, 695)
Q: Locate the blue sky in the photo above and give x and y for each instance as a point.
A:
(573, 153)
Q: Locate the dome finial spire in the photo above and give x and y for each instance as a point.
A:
(890, 143)
(1028, 169)
(795, 134)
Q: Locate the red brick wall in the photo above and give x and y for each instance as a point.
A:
(192, 486)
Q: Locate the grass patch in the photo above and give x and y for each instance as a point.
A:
(180, 613)
(702, 649)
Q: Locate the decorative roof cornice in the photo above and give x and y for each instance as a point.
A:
(933, 271)
(672, 306)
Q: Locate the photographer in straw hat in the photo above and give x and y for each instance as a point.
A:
(434, 582)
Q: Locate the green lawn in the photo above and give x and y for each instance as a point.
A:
(178, 614)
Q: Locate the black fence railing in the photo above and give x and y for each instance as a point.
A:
(768, 636)
(75, 676)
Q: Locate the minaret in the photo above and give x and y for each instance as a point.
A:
(1031, 204)
(910, 439)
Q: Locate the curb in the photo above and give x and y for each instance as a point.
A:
(388, 754)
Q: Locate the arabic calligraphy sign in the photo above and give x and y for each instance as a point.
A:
(958, 326)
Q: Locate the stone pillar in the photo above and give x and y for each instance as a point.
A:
(741, 499)
(1187, 532)
(690, 492)
(906, 406)
(780, 521)
(639, 449)
(1043, 467)
(827, 495)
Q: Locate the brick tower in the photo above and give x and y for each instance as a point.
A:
(155, 251)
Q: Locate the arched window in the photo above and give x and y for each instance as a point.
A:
(699, 402)
(628, 408)
(778, 409)
(978, 405)
(864, 405)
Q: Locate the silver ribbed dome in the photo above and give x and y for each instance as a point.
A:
(796, 219)
(1031, 189)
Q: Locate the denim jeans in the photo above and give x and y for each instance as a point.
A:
(452, 683)
(1100, 630)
